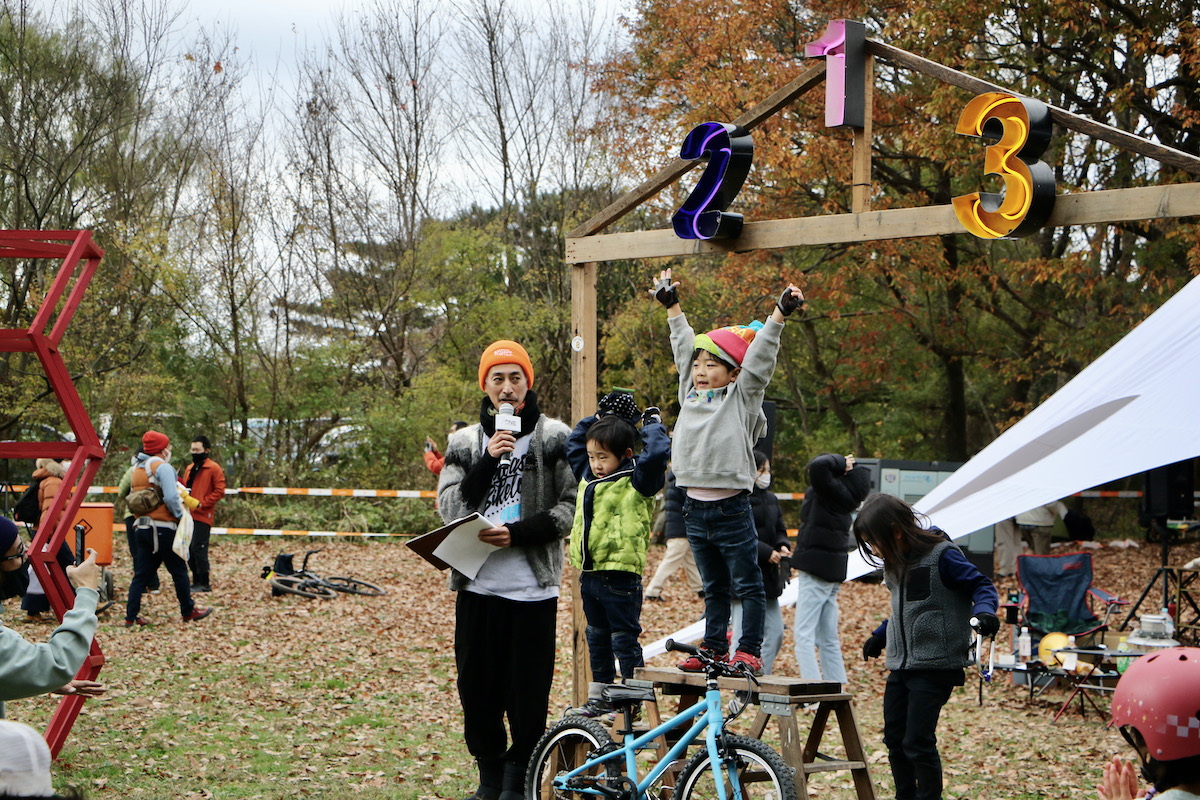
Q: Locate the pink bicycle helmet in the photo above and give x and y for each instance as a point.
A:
(1159, 695)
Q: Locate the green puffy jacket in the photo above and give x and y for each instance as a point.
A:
(612, 525)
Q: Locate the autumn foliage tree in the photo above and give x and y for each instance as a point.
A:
(919, 348)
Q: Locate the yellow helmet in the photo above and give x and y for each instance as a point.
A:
(1051, 642)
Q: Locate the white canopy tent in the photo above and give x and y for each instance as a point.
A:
(1131, 410)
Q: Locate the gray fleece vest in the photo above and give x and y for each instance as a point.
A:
(930, 623)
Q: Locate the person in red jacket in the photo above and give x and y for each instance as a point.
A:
(205, 481)
(433, 457)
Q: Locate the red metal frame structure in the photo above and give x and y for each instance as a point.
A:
(80, 257)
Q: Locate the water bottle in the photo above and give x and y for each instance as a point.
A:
(1024, 646)
(1070, 660)
(1123, 661)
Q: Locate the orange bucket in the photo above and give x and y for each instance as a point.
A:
(97, 520)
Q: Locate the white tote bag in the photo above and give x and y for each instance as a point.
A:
(183, 535)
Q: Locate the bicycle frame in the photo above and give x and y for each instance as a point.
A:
(708, 718)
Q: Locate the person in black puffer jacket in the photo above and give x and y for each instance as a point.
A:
(836, 488)
(773, 547)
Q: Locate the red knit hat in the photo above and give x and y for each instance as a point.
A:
(504, 351)
(154, 442)
(729, 343)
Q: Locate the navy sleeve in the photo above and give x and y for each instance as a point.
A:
(961, 575)
(881, 630)
(650, 473)
(577, 447)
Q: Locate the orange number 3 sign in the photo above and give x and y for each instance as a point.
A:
(1020, 129)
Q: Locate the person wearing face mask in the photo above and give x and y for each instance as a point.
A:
(773, 547)
(28, 669)
(205, 481)
(155, 531)
(836, 488)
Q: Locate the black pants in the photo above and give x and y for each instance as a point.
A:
(912, 703)
(131, 540)
(198, 553)
(154, 551)
(504, 651)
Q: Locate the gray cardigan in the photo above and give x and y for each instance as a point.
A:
(547, 494)
(713, 442)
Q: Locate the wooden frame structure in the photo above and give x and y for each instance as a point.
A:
(587, 245)
(80, 258)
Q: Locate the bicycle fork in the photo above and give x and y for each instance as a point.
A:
(716, 756)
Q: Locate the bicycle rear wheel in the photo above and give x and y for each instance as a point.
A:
(564, 747)
(305, 587)
(355, 586)
(761, 772)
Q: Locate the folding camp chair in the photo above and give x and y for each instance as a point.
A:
(1057, 595)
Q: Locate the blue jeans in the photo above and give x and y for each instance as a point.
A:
(816, 628)
(725, 544)
(772, 641)
(612, 604)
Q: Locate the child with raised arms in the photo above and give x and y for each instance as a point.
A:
(723, 376)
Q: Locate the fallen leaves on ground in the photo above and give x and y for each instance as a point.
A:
(281, 697)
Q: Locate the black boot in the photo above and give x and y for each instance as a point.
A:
(513, 785)
(491, 777)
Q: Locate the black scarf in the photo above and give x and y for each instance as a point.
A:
(528, 414)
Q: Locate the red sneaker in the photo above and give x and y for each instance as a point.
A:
(129, 623)
(197, 613)
(754, 663)
(694, 664)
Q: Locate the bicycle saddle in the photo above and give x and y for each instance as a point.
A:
(618, 694)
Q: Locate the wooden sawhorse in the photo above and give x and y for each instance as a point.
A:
(780, 698)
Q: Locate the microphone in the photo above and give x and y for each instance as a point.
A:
(507, 420)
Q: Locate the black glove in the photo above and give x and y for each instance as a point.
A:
(651, 416)
(788, 302)
(873, 647)
(665, 293)
(620, 404)
(988, 624)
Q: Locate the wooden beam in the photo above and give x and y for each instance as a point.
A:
(1167, 155)
(584, 332)
(676, 169)
(860, 189)
(1085, 208)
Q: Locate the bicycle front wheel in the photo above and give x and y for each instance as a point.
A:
(561, 749)
(305, 587)
(355, 586)
(761, 773)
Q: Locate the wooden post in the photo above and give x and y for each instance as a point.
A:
(861, 189)
(584, 334)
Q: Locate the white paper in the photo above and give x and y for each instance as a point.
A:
(462, 548)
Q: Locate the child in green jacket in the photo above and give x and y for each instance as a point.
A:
(614, 510)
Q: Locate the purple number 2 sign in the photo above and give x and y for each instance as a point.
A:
(730, 151)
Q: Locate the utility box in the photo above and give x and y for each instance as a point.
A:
(912, 480)
(97, 520)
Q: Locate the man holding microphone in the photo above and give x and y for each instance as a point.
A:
(512, 468)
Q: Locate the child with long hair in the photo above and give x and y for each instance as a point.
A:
(935, 593)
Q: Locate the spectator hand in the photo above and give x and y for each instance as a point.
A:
(1120, 781)
(791, 300)
(621, 404)
(873, 647)
(988, 623)
(82, 688)
(85, 575)
(429, 445)
(664, 290)
(651, 416)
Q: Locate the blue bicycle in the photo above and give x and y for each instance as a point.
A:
(577, 758)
